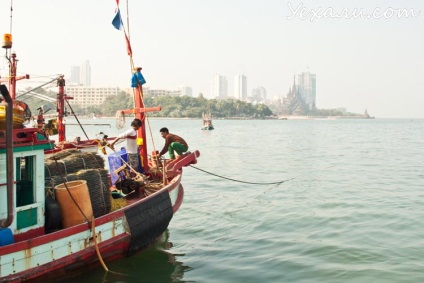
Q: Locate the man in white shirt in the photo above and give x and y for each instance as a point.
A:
(132, 147)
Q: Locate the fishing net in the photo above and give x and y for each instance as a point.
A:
(73, 163)
(77, 165)
(120, 120)
(63, 153)
(98, 186)
(151, 188)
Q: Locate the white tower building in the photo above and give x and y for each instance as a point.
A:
(75, 76)
(307, 89)
(85, 74)
(240, 87)
(219, 87)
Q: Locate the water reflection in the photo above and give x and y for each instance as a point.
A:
(155, 264)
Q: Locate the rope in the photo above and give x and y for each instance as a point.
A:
(93, 231)
(73, 113)
(102, 190)
(245, 182)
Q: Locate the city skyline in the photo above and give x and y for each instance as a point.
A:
(363, 63)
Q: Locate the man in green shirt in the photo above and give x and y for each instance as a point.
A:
(173, 143)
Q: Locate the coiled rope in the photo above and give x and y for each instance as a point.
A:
(240, 181)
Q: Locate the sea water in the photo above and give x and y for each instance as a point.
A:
(346, 204)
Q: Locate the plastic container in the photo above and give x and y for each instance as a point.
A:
(71, 214)
(6, 237)
(115, 161)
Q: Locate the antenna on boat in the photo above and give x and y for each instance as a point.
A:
(7, 37)
(11, 11)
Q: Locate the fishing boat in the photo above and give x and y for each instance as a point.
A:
(207, 121)
(62, 212)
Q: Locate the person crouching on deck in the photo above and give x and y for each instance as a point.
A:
(173, 143)
(132, 147)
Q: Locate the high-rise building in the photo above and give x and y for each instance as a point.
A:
(240, 87)
(85, 74)
(219, 87)
(75, 76)
(307, 89)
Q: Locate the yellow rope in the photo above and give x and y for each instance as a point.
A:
(96, 246)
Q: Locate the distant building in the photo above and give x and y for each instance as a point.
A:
(219, 87)
(307, 89)
(185, 90)
(90, 96)
(85, 74)
(74, 79)
(240, 87)
(161, 92)
(301, 97)
(80, 75)
(258, 94)
(293, 103)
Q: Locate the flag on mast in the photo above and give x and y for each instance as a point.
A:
(119, 25)
(117, 20)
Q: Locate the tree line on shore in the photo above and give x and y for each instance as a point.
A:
(172, 106)
(177, 107)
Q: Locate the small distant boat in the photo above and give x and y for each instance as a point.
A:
(207, 122)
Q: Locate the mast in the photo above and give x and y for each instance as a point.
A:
(141, 132)
(139, 111)
(13, 64)
(61, 109)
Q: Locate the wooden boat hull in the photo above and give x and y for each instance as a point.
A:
(207, 128)
(118, 234)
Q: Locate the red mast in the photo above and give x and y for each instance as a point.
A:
(141, 132)
(12, 76)
(61, 109)
(139, 112)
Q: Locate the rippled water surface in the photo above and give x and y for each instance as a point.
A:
(350, 208)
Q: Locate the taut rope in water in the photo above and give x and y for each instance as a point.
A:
(245, 182)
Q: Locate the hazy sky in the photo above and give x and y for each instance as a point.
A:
(361, 62)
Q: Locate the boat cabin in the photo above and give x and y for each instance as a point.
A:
(28, 186)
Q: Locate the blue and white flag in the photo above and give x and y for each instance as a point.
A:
(117, 20)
